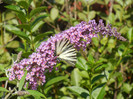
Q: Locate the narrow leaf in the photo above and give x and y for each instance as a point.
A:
(36, 27)
(14, 8)
(75, 77)
(100, 67)
(37, 10)
(81, 64)
(41, 17)
(3, 79)
(38, 37)
(36, 93)
(11, 27)
(98, 86)
(23, 4)
(21, 34)
(13, 44)
(130, 34)
(96, 78)
(3, 89)
(55, 80)
(26, 54)
(21, 83)
(25, 26)
(22, 17)
(101, 93)
(91, 59)
(80, 91)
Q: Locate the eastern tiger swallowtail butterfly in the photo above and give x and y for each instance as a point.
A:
(65, 51)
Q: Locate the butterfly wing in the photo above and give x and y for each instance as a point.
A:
(66, 51)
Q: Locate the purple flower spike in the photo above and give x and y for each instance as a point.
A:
(44, 58)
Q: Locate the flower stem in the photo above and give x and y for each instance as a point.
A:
(2, 34)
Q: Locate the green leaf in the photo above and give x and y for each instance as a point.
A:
(91, 59)
(96, 78)
(22, 17)
(39, 18)
(36, 27)
(26, 54)
(91, 15)
(111, 43)
(14, 57)
(11, 27)
(117, 7)
(22, 81)
(3, 79)
(124, 29)
(111, 18)
(66, 97)
(104, 41)
(81, 64)
(80, 91)
(21, 34)
(54, 13)
(14, 8)
(120, 96)
(101, 93)
(60, 1)
(37, 10)
(55, 80)
(126, 88)
(130, 34)
(5, 57)
(119, 15)
(23, 4)
(25, 26)
(46, 90)
(121, 2)
(120, 52)
(82, 16)
(38, 22)
(84, 74)
(99, 67)
(36, 94)
(40, 36)
(97, 87)
(29, 2)
(3, 89)
(13, 44)
(128, 2)
(75, 77)
(95, 41)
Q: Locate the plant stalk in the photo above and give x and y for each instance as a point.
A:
(2, 33)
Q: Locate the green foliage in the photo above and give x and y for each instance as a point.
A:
(21, 83)
(3, 89)
(103, 71)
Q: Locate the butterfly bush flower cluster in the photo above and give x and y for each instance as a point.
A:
(44, 59)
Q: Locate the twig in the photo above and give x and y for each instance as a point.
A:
(67, 6)
(2, 34)
(6, 97)
(75, 14)
(111, 6)
(115, 94)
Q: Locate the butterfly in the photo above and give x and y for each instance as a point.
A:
(65, 51)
